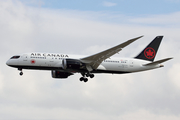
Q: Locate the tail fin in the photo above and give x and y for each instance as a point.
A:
(150, 51)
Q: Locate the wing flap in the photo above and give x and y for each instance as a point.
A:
(95, 60)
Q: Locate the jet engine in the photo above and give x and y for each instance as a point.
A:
(58, 74)
(72, 64)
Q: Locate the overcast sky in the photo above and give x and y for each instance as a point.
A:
(87, 27)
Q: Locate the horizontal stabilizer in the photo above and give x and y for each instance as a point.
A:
(158, 62)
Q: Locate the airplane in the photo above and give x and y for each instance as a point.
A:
(64, 65)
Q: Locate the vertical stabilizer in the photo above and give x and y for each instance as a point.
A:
(149, 53)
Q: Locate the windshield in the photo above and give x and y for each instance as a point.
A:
(15, 57)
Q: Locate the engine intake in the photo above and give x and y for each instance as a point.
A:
(58, 74)
(72, 64)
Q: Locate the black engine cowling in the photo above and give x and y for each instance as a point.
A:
(72, 64)
(58, 74)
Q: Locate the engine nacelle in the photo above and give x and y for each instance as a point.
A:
(58, 74)
(72, 64)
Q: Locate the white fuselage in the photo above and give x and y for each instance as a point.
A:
(51, 61)
(65, 65)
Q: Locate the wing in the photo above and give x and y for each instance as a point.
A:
(94, 61)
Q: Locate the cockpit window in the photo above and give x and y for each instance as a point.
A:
(15, 57)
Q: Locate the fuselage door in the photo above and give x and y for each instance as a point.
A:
(131, 63)
(25, 57)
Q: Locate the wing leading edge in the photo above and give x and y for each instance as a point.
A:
(94, 61)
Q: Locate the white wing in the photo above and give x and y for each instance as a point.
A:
(94, 61)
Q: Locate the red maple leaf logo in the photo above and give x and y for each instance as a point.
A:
(149, 53)
(32, 61)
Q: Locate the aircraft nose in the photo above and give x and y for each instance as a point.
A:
(8, 63)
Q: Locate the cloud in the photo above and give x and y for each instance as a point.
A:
(140, 114)
(35, 3)
(162, 20)
(109, 4)
(1, 82)
(35, 95)
(173, 74)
